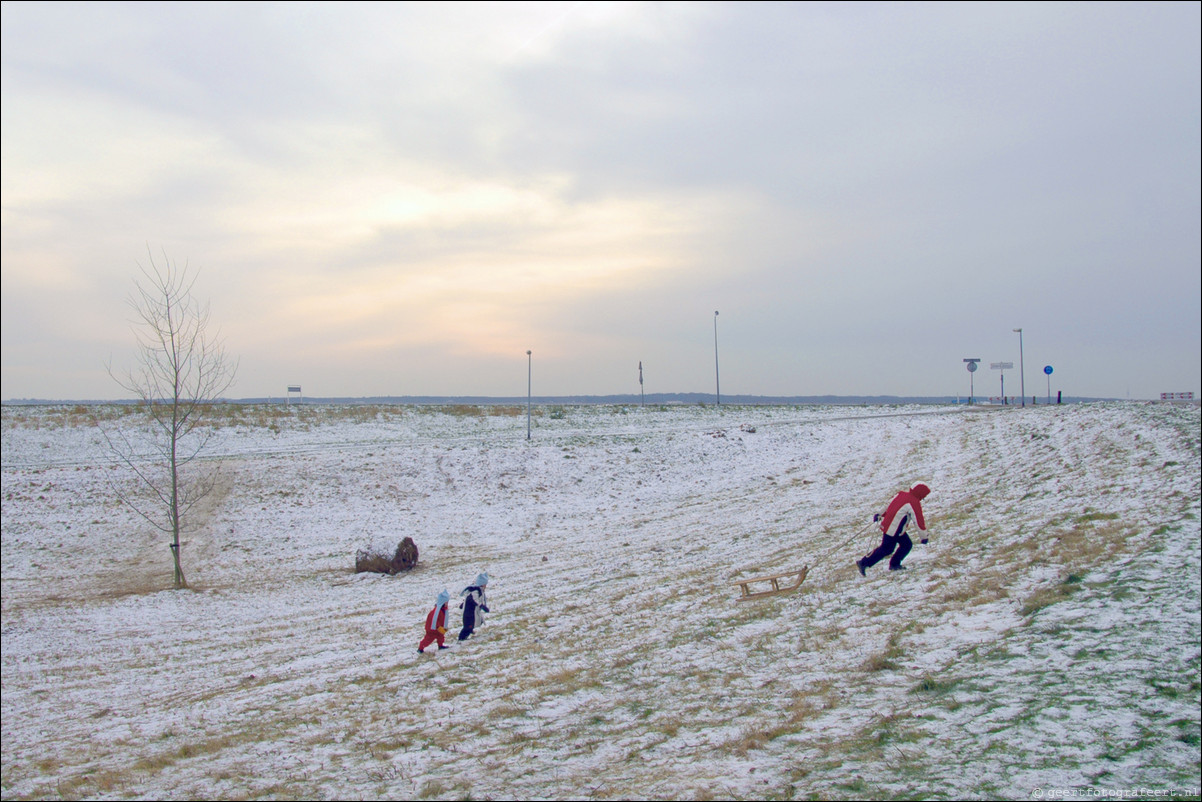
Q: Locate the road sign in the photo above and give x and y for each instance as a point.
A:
(1047, 369)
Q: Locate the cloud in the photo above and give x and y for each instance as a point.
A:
(864, 191)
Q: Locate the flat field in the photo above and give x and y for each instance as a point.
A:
(1046, 640)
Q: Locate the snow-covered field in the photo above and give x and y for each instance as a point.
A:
(1045, 643)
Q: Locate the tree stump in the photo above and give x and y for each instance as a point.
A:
(382, 559)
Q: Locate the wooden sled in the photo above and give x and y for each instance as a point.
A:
(776, 589)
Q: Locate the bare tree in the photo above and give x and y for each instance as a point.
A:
(180, 370)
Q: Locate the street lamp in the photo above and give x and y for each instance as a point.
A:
(529, 384)
(717, 385)
(1022, 376)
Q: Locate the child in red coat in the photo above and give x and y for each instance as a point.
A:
(905, 507)
(436, 622)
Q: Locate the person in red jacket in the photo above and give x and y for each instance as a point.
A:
(436, 622)
(905, 507)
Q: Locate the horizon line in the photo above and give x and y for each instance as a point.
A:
(733, 399)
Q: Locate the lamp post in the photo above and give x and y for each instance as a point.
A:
(717, 384)
(1022, 376)
(529, 384)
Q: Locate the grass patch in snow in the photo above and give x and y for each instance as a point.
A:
(934, 687)
(880, 662)
(1046, 597)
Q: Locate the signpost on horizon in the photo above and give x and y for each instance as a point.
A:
(529, 384)
(1047, 369)
(1022, 378)
(972, 368)
(717, 385)
(1003, 367)
(642, 401)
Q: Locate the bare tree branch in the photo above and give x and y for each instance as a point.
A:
(180, 371)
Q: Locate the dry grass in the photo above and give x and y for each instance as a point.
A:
(889, 659)
(792, 719)
(1074, 543)
(749, 739)
(55, 417)
(479, 410)
(431, 789)
(879, 662)
(1047, 596)
(506, 412)
(461, 410)
(508, 711)
(934, 686)
(109, 781)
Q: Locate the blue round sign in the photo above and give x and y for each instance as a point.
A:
(1047, 369)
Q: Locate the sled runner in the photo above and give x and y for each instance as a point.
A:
(776, 589)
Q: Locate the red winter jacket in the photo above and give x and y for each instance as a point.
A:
(432, 624)
(912, 499)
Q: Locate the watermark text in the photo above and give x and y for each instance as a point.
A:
(1142, 792)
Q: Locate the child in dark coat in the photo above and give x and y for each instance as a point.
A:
(436, 622)
(473, 600)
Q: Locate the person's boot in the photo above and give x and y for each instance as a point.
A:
(860, 565)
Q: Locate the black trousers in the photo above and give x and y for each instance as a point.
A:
(469, 620)
(898, 544)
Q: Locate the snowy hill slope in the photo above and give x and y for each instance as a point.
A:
(1047, 637)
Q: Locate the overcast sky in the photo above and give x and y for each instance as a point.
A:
(402, 199)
